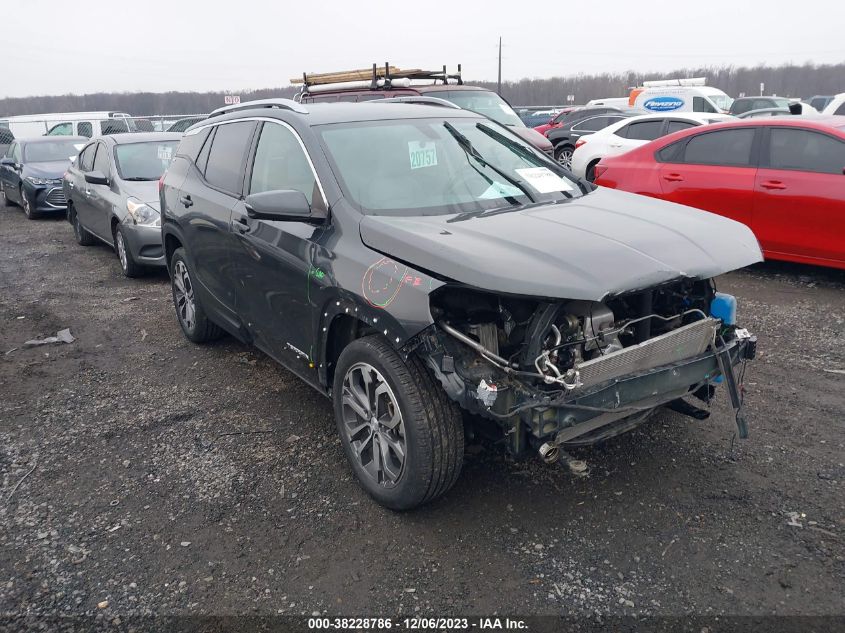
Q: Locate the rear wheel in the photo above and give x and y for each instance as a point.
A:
(128, 265)
(402, 435)
(4, 200)
(189, 311)
(563, 155)
(83, 237)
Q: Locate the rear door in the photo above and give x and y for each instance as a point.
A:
(713, 170)
(205, 205)
(272, 260)
(799, 195)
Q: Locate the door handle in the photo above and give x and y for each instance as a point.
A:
(673, 178)
(241, 224)
(186, 201)
(773, 184)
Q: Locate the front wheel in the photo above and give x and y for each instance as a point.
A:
(128, 265)
(28, 209)
(563, 155)
(402, 435)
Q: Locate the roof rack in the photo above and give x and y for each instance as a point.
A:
(377, 77)
(420, 99)
(283, 104)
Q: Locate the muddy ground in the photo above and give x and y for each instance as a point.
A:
(164, 477)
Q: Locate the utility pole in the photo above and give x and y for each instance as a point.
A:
(499, 83)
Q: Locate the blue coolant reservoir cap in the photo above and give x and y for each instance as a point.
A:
(723, 307)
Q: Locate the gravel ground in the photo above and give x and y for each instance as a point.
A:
(142, 474)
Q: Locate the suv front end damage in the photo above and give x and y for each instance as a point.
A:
(564, 373)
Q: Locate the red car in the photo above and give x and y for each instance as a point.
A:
(557, 120)
(782, 177)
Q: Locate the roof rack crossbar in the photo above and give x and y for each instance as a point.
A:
(283, 104)
(377, 76)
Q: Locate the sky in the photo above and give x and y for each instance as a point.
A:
(161, 45)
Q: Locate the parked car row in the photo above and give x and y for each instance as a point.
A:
(407, 260)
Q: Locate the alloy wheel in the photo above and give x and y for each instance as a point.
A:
(27, 209)
(121, 250)
(564, 158)
(185, 306)
(372, 422)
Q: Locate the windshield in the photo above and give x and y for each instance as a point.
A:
(483, 102)
(440, 166)
(723, 102)
(47, 151)
(144, 161)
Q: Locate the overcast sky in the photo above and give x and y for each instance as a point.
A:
(80, 46)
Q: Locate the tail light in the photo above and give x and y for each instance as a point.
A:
(598, 171)
(161, 183)
(580, 142)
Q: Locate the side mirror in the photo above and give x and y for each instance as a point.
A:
(8, 162)
(96, 178)
(284, 204)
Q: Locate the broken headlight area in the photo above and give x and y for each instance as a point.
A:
(574, 372)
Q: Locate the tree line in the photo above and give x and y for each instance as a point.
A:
(789, 80)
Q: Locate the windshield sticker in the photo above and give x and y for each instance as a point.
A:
(543, 180)
(499, 190)
(422, 154)
(165, 152)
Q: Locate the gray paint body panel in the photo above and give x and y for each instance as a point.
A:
(605, 243)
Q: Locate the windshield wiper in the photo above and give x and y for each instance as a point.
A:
(464, 142)
(513, 146)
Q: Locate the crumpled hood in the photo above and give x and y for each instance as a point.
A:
(146, 191)
(605, 243)
(49, 169)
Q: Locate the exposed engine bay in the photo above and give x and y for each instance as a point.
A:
(555, 368)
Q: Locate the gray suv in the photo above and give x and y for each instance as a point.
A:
(413, 261)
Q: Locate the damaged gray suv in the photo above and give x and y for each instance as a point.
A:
(413, 262)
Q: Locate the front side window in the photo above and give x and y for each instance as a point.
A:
(143, 161)
(840, 109)
(281, 164)
(440, 166)
(677, 126)
(700, 104)
(803, 150)
(101, 160)
(645, 130)
(50, 151)
(86, 158)
(726, 147)
(226, 156)
(62, 129)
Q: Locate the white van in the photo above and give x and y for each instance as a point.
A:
(680, 95)
(86, 124)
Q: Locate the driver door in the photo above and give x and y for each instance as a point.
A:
(272, 259)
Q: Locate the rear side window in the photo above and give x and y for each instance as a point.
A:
(645, 130)
(677, 126)
(113, 126)
(593, 124)
(85, 129)
(191, 144)
(225, 167)
(804, 150)
(840, 109)
(726, 147)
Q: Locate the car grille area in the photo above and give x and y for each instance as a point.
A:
(685, 342)
(56, 197)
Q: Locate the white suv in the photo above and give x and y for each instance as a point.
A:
(625, 135)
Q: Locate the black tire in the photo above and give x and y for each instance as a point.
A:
(200, 329)
(433, 426)
(128, 265)
(563, 155)
(83, 237)
(28, 211)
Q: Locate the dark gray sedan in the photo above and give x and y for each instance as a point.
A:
(112, 194)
